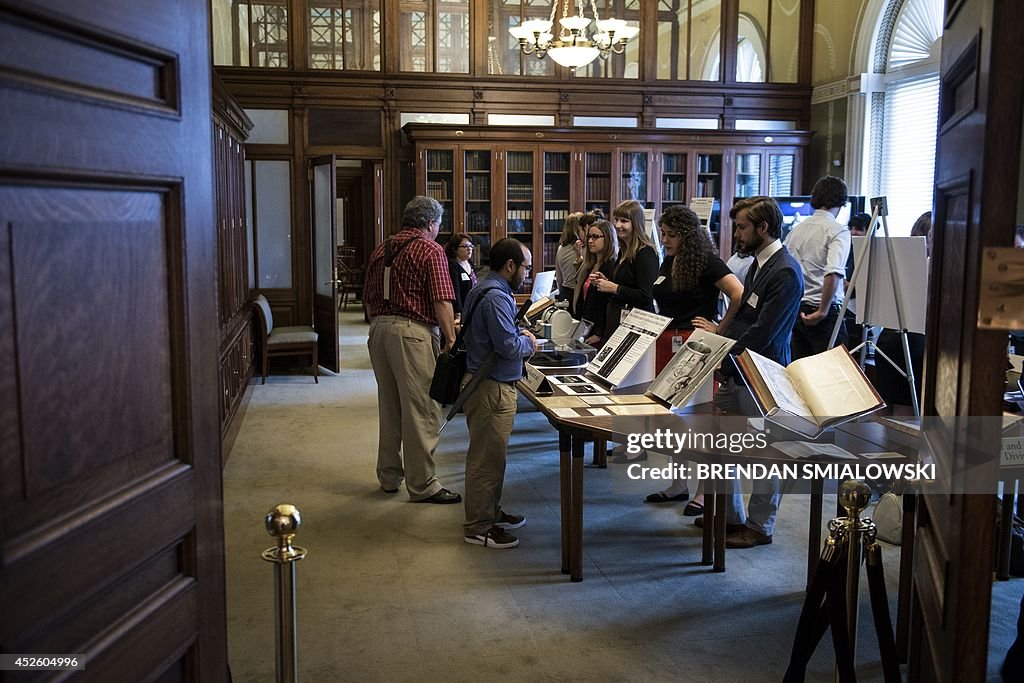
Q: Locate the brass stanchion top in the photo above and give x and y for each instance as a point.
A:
(854, 497)
(282, 522)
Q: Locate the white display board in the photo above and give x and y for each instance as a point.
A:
(620, 361)
(876, 293)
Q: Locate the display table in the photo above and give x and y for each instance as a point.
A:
(575, 430)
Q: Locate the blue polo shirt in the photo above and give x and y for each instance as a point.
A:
(492, 327)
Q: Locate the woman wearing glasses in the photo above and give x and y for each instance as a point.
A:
(599, 254)
(460, 267)
(687, 290)
(631, 281)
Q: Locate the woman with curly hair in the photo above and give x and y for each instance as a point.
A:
(687, 290)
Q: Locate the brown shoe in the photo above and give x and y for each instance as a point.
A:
(729, 528)
(746, 538)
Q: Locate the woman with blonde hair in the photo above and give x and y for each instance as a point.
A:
(568, 257)
(589, 302)
(631, 282)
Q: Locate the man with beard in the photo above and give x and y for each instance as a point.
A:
(491, 331)
(764, 323)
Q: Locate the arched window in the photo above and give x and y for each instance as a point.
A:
(904, 113)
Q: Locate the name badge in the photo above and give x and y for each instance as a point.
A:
(465, 276)
(752, 301)
(661, 278)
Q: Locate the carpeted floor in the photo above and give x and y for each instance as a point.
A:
(390, 592)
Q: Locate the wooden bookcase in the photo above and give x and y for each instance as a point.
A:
(525, 181)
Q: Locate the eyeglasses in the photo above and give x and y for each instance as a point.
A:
(528, 269)
(594, 237)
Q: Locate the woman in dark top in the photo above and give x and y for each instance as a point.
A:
(460, 267)
(598, 260)
(687, 289)
(631, 282)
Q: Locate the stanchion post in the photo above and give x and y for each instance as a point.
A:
(854, 497)
(282, 523)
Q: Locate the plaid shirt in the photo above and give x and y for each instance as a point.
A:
(419, 277)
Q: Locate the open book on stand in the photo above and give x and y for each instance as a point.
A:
(813, 393)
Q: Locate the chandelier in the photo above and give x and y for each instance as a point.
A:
(573, 47)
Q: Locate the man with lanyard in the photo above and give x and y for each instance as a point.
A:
(409, 296)
(763, 324)
(821, 245)
(495, 345)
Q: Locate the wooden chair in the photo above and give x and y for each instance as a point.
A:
(298, 340)
(351, 282)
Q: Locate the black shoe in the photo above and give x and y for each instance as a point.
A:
(626, 458)
(496, 537)
(508, 521)
(692, 509)
(388, 490)
(662, 497)
(442, 497)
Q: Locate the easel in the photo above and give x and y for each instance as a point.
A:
(879, 210)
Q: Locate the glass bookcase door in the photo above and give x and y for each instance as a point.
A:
(780, 174)
(441, 186)
(673, 179)
(748, 174)
(519, 179)
(708, 183)
(597, 182)
(478, 207)
(556, 202)
(633, 182)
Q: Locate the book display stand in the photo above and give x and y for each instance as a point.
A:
(879, 210)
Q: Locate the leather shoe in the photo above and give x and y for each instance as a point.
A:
(746, 538)
(729, 528)
(442, 497)
(661, 497)
(394, 490)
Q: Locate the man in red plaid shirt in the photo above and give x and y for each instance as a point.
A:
(409, 313)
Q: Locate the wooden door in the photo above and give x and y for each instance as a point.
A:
(323, 190)
(111, 520)
(978, 155)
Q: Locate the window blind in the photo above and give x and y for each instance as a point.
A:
(908, 150)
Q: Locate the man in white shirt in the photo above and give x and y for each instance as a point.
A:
(821, 245)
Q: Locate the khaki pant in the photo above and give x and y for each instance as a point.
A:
(490, 412)
(403, 353)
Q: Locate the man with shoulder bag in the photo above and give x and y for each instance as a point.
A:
(496, 346)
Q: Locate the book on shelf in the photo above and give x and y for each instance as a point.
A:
(811, 394)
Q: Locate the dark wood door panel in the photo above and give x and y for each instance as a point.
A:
(111, 529)
(92, 331)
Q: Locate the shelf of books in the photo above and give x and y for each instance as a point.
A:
(556, 202)
(519, 179)
(748, 174)
(477, 171)
(709, 184)
(673, 179)
(633, 181)
(441, 186)
(597, 182)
